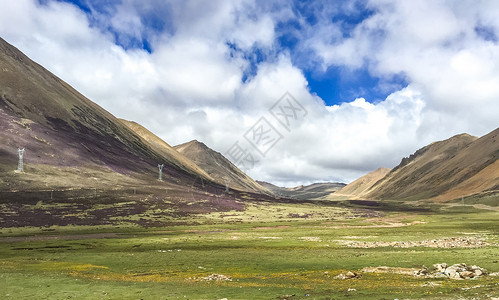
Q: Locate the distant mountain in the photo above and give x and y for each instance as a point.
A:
(69, 140)
(218, 167)
(359, 188)
(316, 191)
(459, 166)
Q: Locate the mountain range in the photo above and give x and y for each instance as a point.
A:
(461, 166)
(62, 130)
(315, 191)
(71, 142)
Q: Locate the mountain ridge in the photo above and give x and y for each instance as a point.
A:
(434, 170)
(314, 191)
(163, 147)
(61, 128)
(218, 167)
(359, 187)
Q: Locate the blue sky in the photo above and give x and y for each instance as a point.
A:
(379, 79)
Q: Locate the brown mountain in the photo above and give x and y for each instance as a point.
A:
(102, 170)
(315, 191)
(218, 167)
(68, 139)
(359, 188)
(459, 166)
(168, 152)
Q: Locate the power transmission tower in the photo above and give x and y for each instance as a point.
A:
(227, 181)
(20, 164)
(160, 168)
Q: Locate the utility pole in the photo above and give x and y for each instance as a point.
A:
(20, 164)
(160, 168)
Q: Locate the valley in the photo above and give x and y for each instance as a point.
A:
(262, 250)
(88, 217)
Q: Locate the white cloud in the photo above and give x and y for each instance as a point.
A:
(435, 45)
(190, 86)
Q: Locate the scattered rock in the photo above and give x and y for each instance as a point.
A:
(311, 238)
(392, 270)
(215, 277)
(454, 275)
(421, 272)
(453, 242)
(349, 275)
(440, 267)
(472, 287)
(430, 284)
(467, 274)
(456, 271)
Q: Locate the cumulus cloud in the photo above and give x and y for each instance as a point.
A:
(198, 77)
(438, 47)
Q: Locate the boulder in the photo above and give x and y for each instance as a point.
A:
(454, 275)
(351, 274)
(467, 274)
(422, 272)
(440, 267)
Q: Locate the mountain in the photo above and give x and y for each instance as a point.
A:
(83, 166)
(358, 188)
(459, 166)
(315, 191)
(69, 140)
(482, 157)
(168, 152)
(218, 167)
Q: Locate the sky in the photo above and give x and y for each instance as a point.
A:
(292, 92)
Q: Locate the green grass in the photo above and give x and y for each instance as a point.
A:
(266, 258)
(486, 199)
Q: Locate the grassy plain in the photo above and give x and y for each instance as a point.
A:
(266, 251)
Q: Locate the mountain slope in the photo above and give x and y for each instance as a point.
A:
(163, 148)
(358, 188)
(83, 166)
(484, 182)
(218, 167)
(463, 164)
(61, 128)
(315, 191)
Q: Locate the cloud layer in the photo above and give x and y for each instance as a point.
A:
(209, 70)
